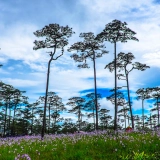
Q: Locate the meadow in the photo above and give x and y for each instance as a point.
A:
(101, 145)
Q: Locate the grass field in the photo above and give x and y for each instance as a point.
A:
(87, 146)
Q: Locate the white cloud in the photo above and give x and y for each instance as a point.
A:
(152, 58)
(17, 43)
(141, 16)
(20, 82)
(2, 60)
(11, 68)
(148, 35)
(137, 105)
(41, 67)
(2, 71)
(69, 115)
(107, 105)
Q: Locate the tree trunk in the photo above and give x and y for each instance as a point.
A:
(45, 104)
(79, 118)
(13, 122)
(9, 128)
(95, 91)
(5, 119)
(129, 101)
(32, 123)
(94, 120)
(158, 111)
(49, 117)
(128, 120)
(143, 112)
(115, 66)
(151, 121)
(125, 119)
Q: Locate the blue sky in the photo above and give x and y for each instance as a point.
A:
(26, 69)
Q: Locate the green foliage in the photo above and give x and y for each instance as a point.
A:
(138, 156)
(87, 146)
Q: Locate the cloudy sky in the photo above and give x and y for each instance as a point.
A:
(26, 69)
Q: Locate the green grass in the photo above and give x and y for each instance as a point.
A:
(90, 146)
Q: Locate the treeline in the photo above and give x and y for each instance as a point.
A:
(19, 117)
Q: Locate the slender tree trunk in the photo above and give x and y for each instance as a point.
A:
(79, 118)
(151, 121)
(45, 103)
(95, 91)
(158, 112)
(94, 119)
(115, 66)
(5, 119)
(55, 119)
(49, 117)
(125, 120)
(9, 128)
(128, 120)
(130, 108)
(23, 126)
(143, 112)
(32, 123)
(13, 122)
(26, 128)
